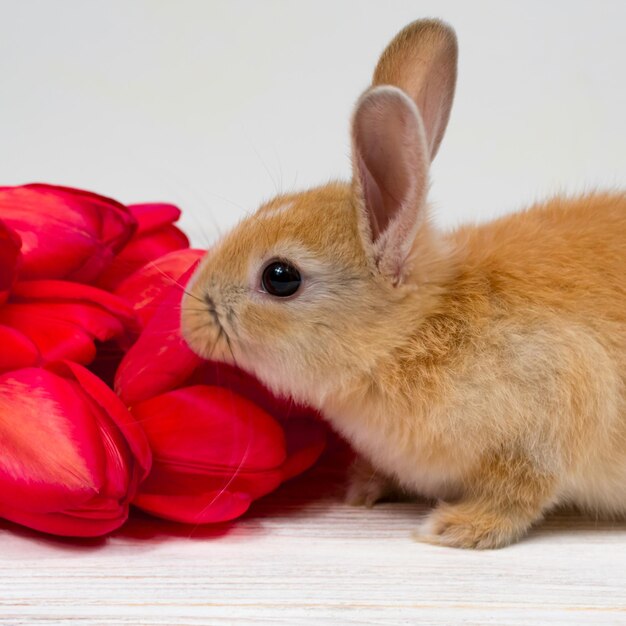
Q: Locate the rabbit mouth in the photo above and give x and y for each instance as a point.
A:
(223, 334)
(204, 330)
(212, 310)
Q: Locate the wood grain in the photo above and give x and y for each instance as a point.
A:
(302, 557)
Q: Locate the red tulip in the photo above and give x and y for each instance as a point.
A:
(48, 320)
(215, 449)
(156, 235)
(72, 455)
(66, 233)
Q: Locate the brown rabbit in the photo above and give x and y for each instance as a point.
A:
(484, 367)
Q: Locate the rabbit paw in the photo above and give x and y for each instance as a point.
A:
(366, 486)
(466, 526)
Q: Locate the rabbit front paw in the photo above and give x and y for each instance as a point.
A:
(463, 526)
(366, 486)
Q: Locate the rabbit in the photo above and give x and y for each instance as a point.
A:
(484, 368)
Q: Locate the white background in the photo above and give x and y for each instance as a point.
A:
(218, 105)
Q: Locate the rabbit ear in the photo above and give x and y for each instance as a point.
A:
(421, 60)
(390, 161)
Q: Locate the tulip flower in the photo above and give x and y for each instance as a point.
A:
(215, 448)
(72, 455)
(155, 236)
(66, 233)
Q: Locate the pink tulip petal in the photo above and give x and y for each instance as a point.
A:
(10, 244)
(17, 350)
(204, 508)
(51, 456)
(145, 288)
(160, 359)
(205, 427)
(66, 233)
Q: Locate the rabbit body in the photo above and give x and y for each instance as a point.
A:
(513, 385)
(485, 367)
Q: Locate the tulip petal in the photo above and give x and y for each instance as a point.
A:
(113, 407)
(140, 250)
(70, 524)
(63, 291)
(17, 350)
(50, 446)
(170, 479)
(92, 319)
(203, 508)
(155, 236)
(160, 359)
(202, 427)
(64, 318)
(153, 215)
(10, 245)
(66, 233)
(54, 338)
(305, 433)
(145, 288)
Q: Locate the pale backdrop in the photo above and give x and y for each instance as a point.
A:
(216, 105)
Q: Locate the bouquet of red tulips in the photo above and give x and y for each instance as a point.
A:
(102, 405)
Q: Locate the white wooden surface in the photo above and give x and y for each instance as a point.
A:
(302, 557)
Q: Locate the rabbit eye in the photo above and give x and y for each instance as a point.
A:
(281, 279)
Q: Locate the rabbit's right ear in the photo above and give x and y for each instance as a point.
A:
(396, 129)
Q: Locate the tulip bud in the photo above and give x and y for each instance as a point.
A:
(66, 233)
(72, 455)
(156, 236)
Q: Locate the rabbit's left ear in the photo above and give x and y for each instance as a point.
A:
(422, 61)
(396, 130)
